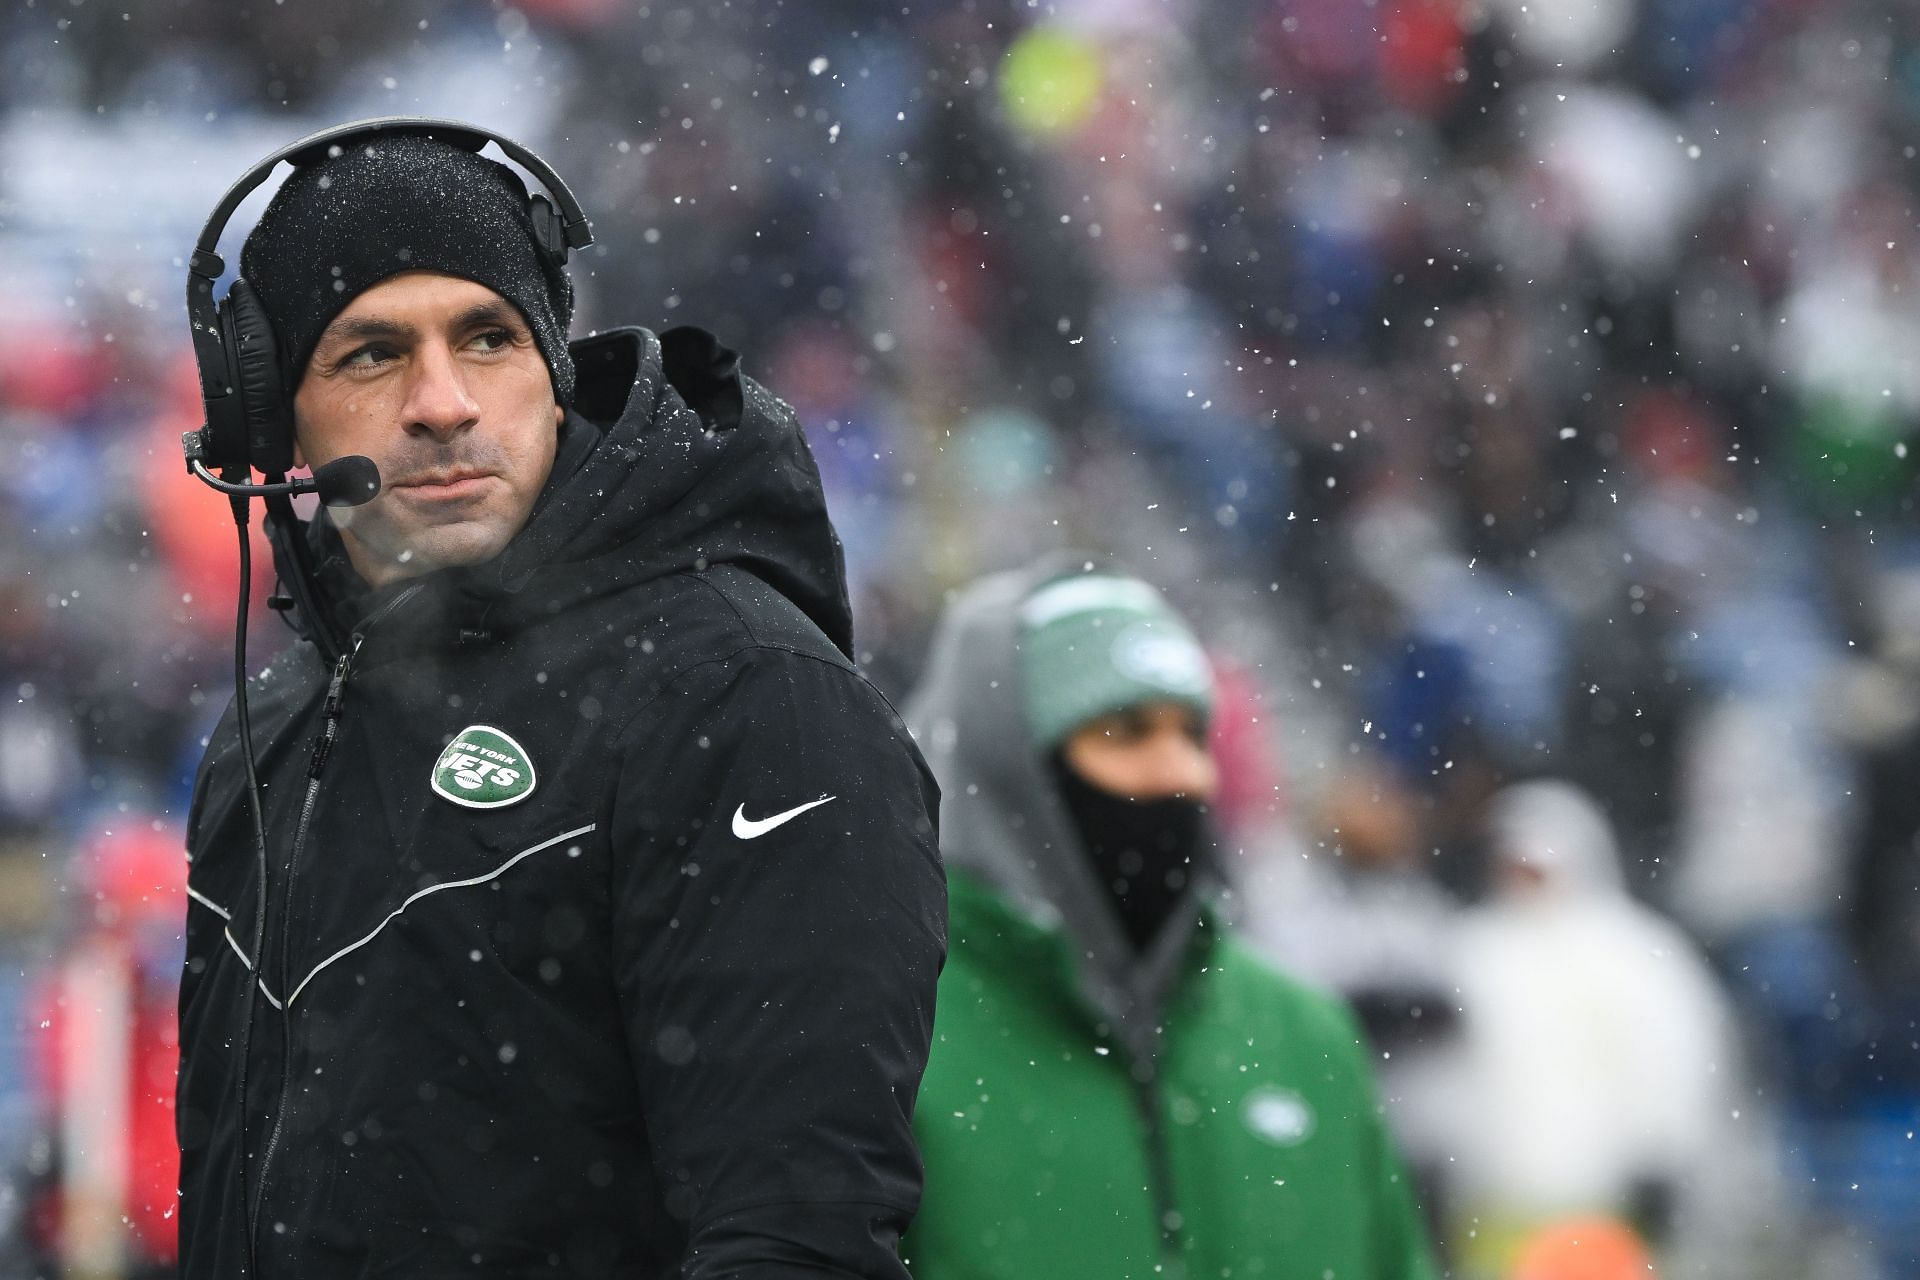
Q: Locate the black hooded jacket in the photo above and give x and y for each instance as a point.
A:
(603, 906)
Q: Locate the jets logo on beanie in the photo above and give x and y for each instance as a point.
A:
(395, 203)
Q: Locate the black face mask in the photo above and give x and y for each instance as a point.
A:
(1145, 853)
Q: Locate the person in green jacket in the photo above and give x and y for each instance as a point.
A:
(1117, 1087)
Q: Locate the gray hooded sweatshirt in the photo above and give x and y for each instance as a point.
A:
(1002, 820)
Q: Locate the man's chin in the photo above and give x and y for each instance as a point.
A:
(446, 547)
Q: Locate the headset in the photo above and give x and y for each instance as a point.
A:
(249, 427)
(249, 412)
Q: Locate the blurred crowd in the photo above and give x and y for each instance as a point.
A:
(1522, 397)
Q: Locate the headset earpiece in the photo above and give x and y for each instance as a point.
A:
(252, 424)
(549, 232)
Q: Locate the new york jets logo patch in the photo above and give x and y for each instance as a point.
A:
(483, 768)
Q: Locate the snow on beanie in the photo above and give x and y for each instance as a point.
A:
(393, 203)
(1095, 643)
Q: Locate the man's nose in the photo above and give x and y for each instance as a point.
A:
(438, 402)
(1179, 766)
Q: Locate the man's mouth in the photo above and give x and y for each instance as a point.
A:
(442, 486)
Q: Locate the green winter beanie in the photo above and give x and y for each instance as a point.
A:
(1093, 644)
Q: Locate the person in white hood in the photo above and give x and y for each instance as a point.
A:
(1595, 1043)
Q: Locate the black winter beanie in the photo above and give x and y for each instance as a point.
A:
(393, 203)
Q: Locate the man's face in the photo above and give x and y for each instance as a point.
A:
(1154, 751)
(438, 380)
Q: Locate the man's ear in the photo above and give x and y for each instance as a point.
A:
(559, 415)
(299, 458)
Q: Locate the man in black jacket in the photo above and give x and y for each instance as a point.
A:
(604, 910)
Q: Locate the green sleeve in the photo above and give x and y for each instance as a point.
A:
(1404, 1251)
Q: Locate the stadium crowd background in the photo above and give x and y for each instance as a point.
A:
(1510, 390)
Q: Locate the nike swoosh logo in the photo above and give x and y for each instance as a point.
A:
(747, 828)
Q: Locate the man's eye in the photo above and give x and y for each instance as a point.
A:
(365, 357)
(493, 340)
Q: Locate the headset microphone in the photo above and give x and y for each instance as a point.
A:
(344, 482)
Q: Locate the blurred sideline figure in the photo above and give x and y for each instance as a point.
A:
(1118, 1087)
(1596, 1054)
(1361, 913)
(105, 1172)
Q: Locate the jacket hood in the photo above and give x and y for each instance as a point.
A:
(1558, 831)
(670, 460)
(1003, 822)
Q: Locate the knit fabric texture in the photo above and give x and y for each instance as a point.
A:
(393, 203)
(1096, 643)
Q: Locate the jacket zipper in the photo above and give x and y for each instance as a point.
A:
(1159, 1171)
(316, 765)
